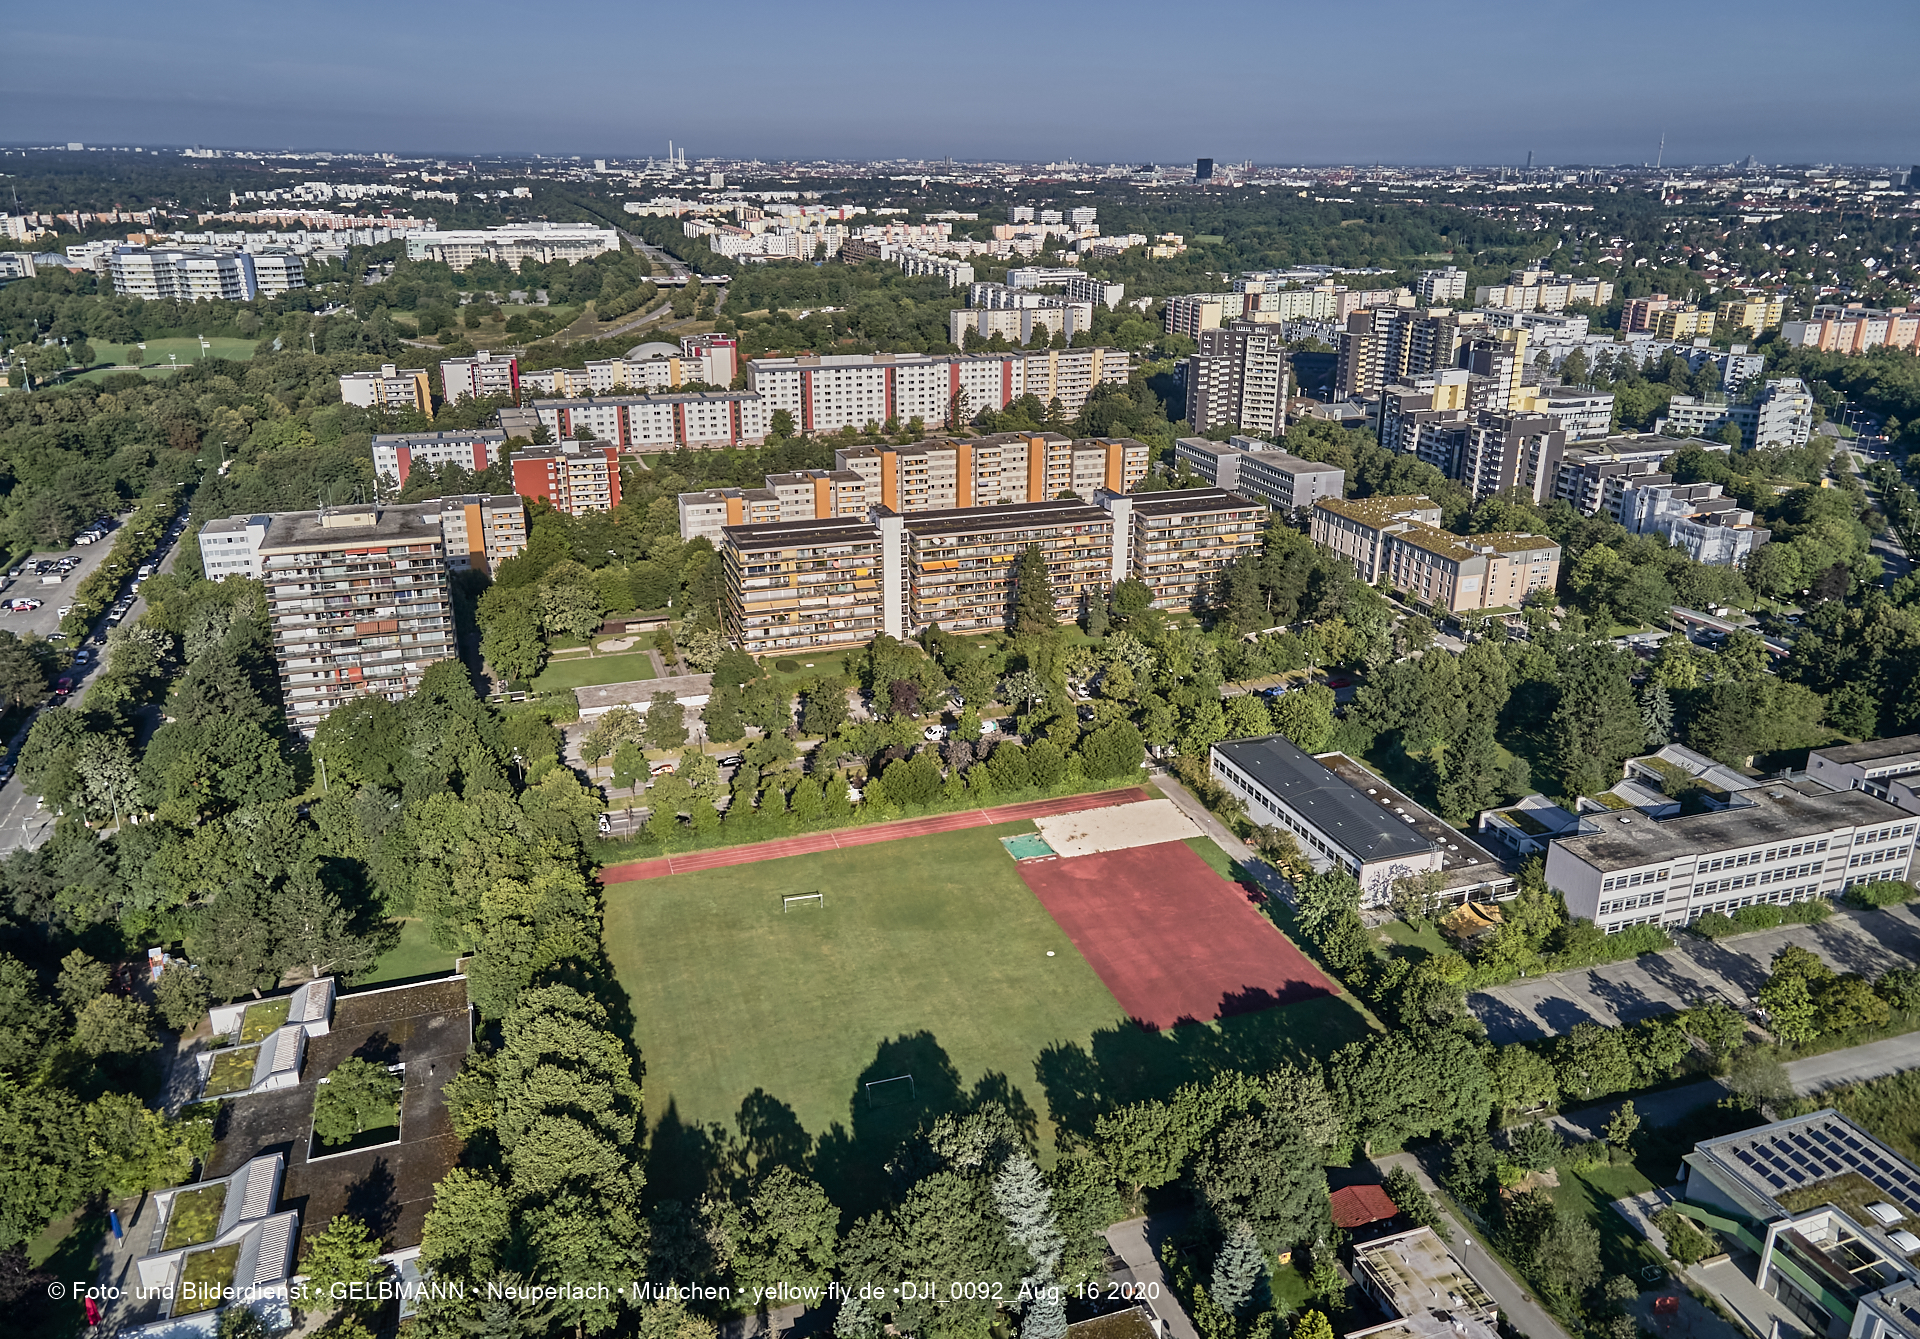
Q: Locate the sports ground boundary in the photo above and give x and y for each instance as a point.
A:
(813, 843)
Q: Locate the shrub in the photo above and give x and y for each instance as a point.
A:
(1687, 1241)
(1881, 893)
(1810, 912)
(787, 666)
(1714, 925)
(1762, 916)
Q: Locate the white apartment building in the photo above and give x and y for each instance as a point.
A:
(231, 548)
(278, 272)
(395, 455)
(825, 393)
(481, 531)
(914, 260)
(1697, 518)
(1583, 414)
(1252, 468)
(390, 388)
(511, 243)
(1448, 285)
(1780, 842)
(1077, 287)
(479, 376)
(201, 275)
(1781, 415)
(661, 422)
(1238, 377)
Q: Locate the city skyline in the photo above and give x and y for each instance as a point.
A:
(838, 87)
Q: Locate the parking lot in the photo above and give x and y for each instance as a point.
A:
(1734, 969)
(54, 596)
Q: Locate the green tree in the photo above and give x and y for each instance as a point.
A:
(1032, 595)
(1592, 1061)
(1261, 1171)
(342, 1257)
(182, 996)
(1305, 716)
(1622, 1126)
(666, 722)
(356, 1092)
(1240, 1273)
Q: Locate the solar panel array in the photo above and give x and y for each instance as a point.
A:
(1802, 1154)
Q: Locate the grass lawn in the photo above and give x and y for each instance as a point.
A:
(232, 1072)
(580, 671)
(261, 1020)
(185, 349)
(415, 955)
(928, 958)
(1427, 937)
(195, 1216)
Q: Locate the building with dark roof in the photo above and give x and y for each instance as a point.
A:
(1886, 768)
(1345, 817)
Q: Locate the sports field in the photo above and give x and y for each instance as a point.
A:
(1172, 940)
(930, 957)
(581, 671)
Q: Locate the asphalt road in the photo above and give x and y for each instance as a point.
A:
(22, 821)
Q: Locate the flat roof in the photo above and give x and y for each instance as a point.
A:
(1420, 1274)
(1897, 749)
(832, 530)
(1791, 1155)
(351, 527)
(1464, 862)
(1344, 812)
(1177, 501)
(1377, 511)
(1014, 516)
(1445, 542)
(1778, 812)
(452, 435)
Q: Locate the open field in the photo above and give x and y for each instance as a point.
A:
(929, 958)
(581, 671)
(185, 348)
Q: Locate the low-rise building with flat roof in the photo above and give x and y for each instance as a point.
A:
(1830, 1214)
(1252, 468)
(1886, 768)
(1785, 842)
(1345, 817)
(1414, 1278)
(231, 547)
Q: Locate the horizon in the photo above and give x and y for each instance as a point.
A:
(834, 85)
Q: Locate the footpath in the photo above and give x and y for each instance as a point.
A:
(813, 843)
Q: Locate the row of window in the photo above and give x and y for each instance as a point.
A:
(1635, 880)
(1876, 857)
(1653, 899)
(1883, 834)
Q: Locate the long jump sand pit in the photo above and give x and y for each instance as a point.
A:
(1170, 938)
(1120, 827)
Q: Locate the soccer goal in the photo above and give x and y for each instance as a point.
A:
(818, 899)
(889, 1093)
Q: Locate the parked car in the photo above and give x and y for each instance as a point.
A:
(6, 772)
(64, 610)
(732, 760)
(660, 769)
(934, 733)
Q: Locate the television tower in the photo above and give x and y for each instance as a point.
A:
(1657, 158)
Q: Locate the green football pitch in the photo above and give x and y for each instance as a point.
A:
(929, 958)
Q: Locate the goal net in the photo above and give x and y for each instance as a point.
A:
(890, 1092)
(801, 899)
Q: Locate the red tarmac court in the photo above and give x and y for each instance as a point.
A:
(815, 842)
(1169, 937)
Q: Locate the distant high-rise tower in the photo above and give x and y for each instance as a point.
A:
(1203, 169)
(1529, 160)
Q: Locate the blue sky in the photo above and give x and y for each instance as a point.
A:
(1122, 80)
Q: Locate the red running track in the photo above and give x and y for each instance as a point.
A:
(815, 842)
(1170, 938)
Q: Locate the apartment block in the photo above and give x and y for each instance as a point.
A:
(201, 274)
(482, 531)
(709, 359)
(1750, 314)
(1401, 539)
(830, 392)
(389, 388)
(358, 601)
(661, 422)
(708, 512)
(1682, 322)
(511, 243)
(913, 260)
(1583, 414)
(396, 454)
(482, 375)
(1197, 312)
(1537, 289)
(1251, 468)
(806, 585)
(1181, 543)
(1019, 325)
(1238, 378)
(576, 477)
(1779, 842)
(1854, 329)
(1506, 450)
(960, 563)
(1447, 285)
(1593, 475)
(1781, 414)
(231, 547)
(1698, 519)
(1464, 573)
(1638, 314)
(1001, 468)
(1359, 529)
